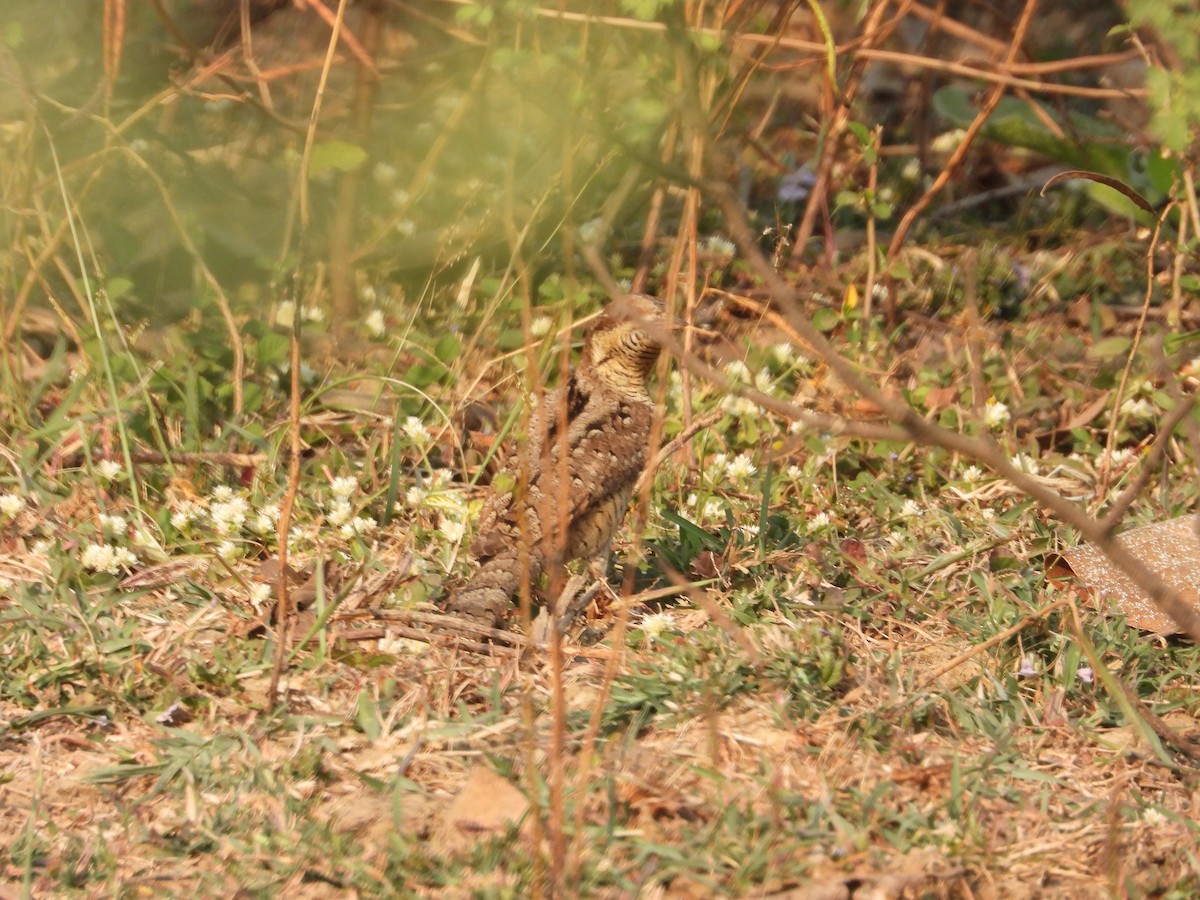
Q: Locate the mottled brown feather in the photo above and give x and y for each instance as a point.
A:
(608, 418)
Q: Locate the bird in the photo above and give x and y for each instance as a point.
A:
(607, 412)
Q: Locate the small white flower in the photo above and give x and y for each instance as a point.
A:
(285, 314)
(879, 292)
(416, 431)
(375, 323)
(718, 246)
(910, 508)
(343, 486)
(971, 474)
(340, 512)
(717, 464)
(750, 530)
(1121, 455)
(741, 468)
(222, 493)
(266, 519)
(228, 551)
(400, 198)
(364, 525)
(115, 524)
(187, 512)
(107, 558)
(229, 516)
(1028, 668)
(384, 173)
(42, 548)
(794, 473)
(414, 496)
(740, 407)
(911, 170)
(540, 327)
(783, 353)
(737, 370)
(819, 521)
(795, 426)
(996, 414)
(713, 509)
(260, 594)
(947, 141)
(406, 228)
(312, 313)
(654, 624)
(1153, 817)
(108, 469)
(453, 531)
(1025, 463)
(987, 513)
(11, 504)
(1138, 409)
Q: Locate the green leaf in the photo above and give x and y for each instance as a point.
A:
(1110, 347)
(825, 320)
(339, 155)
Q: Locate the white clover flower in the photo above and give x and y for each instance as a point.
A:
(741, 468)
(1153, 817)
(415, 496)
(11, 504)
(222, 493)
(654, 624)
(188, 512)
(910, 508)
(343, 486)
(439, 478)
(988, 514)
(375, 323)
(453, 531)
(416, 431)
(783, 353)
(285, 314)
(819, 521)
(1139, 409)
(794, 473)
(795, 426)
(228, 516)
(947, 141)
(737, 370)
(540, 327)
(1121, 455)
(741, 407)
(996, 414)
(716, 245)
(692, 499)
(750, 530)
(717, 464)
(364, 525)
(266, 519)
(971, 474)
(260, 594)
(1025, 463)
(911, 170)
(114, 523)
(42, 548)
(107, 558)
(340, 512)
(312, 313)
(384, 173)
(879, 291)
(228, 551)
(764, 379)
(713, 509)
(108, 469)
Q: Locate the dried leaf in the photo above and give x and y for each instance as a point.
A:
(1171, 549)
(484, 808)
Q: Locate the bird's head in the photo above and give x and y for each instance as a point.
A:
(620, 347)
